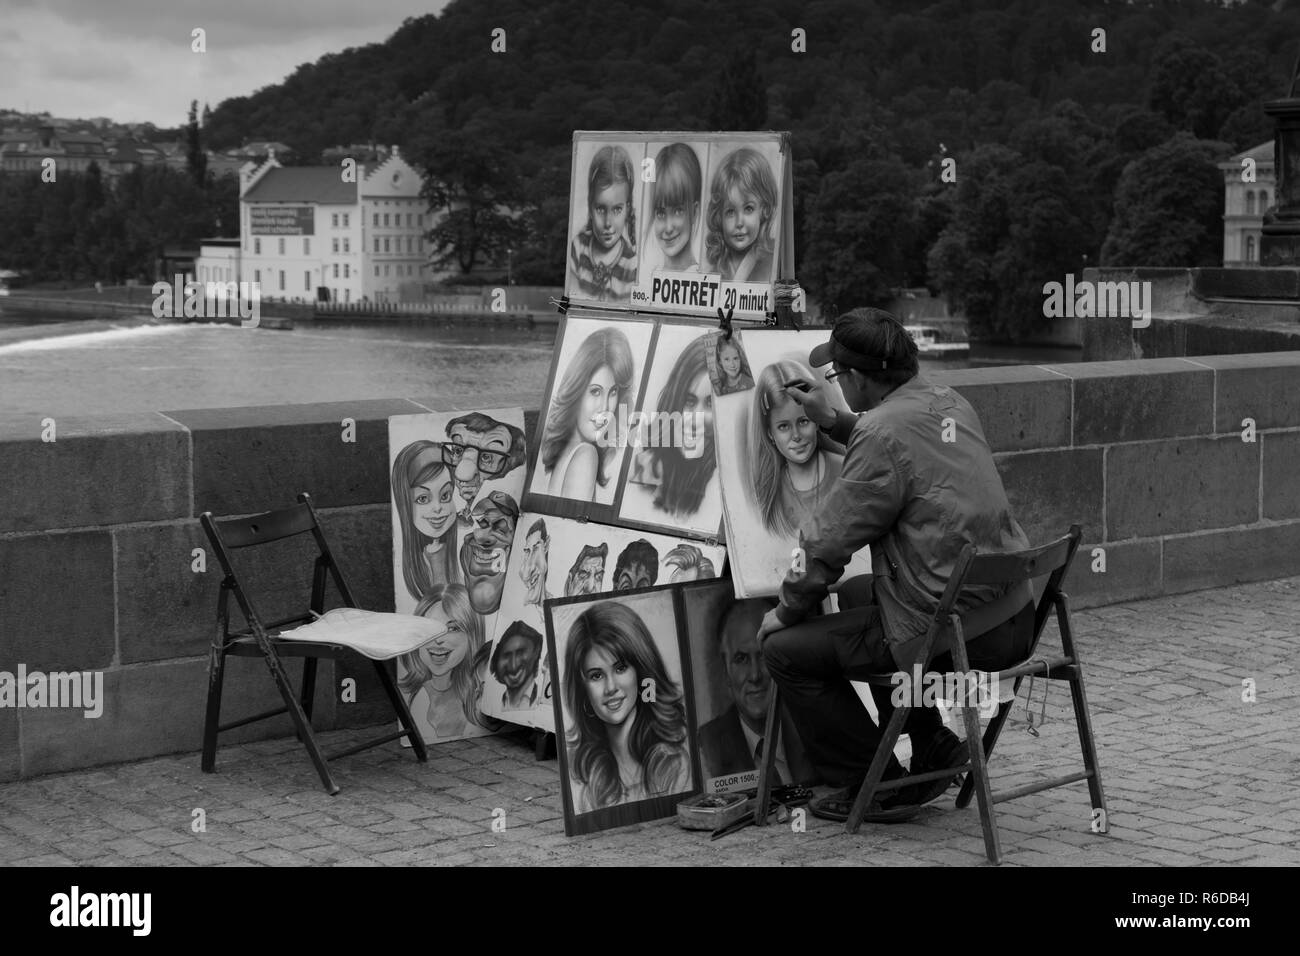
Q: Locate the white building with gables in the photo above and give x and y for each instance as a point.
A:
(1244, 203)
(309, 233)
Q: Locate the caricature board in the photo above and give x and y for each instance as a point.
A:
(776, 466)
(732, 690)
(559, 557)
(456, 478)
(626, 434)
(621, 657)
(685, 223)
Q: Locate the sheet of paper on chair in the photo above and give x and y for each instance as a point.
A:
(378, 635)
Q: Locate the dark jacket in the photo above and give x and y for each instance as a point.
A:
(725, 751)
(916, 499)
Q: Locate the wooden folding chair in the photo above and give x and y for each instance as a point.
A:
(262, 639)
(1017, 569)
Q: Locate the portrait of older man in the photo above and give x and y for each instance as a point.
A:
(733, 742)
(485, 550)
(480, 447)
(587, 575)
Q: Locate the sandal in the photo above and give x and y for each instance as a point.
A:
(837, 806)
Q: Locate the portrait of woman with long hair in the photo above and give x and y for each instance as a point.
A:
(681, 466)
(442, 680)
(621, 748)
(581, 437)
(793, 464)
(424, 494)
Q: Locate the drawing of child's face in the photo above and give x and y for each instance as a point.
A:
(449, 648)
(697, 417)
(432, 506)
(673, 227)
(729, 359)
(792, 432)
(598, 403)
(741, 218)
(611, 685)
(609, 214)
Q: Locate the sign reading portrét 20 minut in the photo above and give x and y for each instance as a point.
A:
(281, 221)
(686, 223)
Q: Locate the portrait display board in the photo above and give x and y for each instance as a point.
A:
(776, 466)
(685, 223)
(560, 557)
(626, 435)
(624, 707)
(732, 691)
(456, 480)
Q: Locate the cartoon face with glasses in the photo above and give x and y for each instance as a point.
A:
(480, 447)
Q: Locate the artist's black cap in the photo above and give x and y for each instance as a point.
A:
(853, 343)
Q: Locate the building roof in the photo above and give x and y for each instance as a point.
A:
(320, 184)
(1261, 154)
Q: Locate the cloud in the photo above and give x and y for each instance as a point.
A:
(131, 60)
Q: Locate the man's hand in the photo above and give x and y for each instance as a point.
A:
(815, 403)
(769, 624)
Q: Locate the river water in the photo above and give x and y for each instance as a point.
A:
(120, 366)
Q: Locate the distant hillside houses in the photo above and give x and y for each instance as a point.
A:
(25, 151)
(306, 233)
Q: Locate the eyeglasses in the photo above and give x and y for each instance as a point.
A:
(491, 463)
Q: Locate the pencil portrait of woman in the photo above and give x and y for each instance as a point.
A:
(621, 747)
(581, 438)
(442, 680)
(793, 464)
(678, 470)
(424, 495)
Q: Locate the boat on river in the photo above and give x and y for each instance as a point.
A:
(937, 343)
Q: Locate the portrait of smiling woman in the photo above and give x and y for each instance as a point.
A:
(424, 495)
(793, 464)
(621, 747)
(442, 680)
(581, 435)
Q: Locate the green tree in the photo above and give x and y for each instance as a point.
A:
(739, 100)
(860, 228)
(196, 161)
(1169, 207)
(473, 186)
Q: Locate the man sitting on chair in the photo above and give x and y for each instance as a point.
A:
(918, 483)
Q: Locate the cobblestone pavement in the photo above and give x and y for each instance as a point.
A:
(1193, 775)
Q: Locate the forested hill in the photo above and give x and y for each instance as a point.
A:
(957, 72)
(1082, 132)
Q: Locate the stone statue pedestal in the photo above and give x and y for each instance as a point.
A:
(1280, 240)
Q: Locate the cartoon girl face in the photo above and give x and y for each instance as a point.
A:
(598, 402)
(432, 505)
(608, 210)
(611, 685)
(697, 417)
(741, 219)
(729, 359)
(449, 648)
(673, 227)
(792, 432)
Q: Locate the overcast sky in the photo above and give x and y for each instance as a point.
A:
(130, 60)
